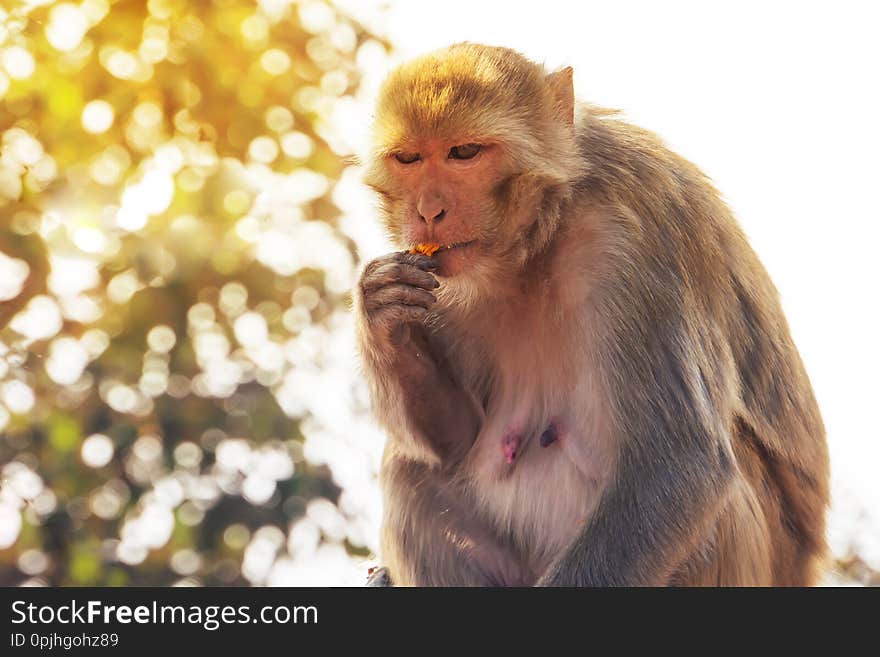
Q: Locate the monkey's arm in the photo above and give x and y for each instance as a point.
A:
(414, 395)
(674, 469)
(430, 536)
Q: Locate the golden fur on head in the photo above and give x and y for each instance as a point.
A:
(469, 92)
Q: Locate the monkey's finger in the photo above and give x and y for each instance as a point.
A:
(398, 294)
(416, 260)
(395, 272)
(402, 257)
(394, 314)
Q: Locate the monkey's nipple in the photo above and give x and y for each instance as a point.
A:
(550, 435)
(510, 446)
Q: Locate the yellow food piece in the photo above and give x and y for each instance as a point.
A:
(425, 249)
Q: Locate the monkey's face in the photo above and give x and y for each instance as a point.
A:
(466, 143)
(441, 191)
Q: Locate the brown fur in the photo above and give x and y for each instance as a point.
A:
(611, 294)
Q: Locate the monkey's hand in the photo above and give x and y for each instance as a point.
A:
(378, 577)
(395, 294)
(413, 392)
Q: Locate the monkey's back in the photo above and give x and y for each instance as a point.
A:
(702, 268)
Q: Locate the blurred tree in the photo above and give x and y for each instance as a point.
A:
(171, 281)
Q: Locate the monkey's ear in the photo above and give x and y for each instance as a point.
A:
(562, 87)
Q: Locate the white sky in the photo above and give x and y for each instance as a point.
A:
(780, 104)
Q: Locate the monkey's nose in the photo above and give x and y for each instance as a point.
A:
(432, 215)
(430, 207)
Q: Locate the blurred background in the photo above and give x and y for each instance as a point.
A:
(181, 221)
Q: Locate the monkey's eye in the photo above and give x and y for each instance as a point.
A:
(464, 152)
(407, 158)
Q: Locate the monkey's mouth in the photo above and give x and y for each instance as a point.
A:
(452, 258)
(432, 248)
(455, 245)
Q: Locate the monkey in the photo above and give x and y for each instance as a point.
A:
(591, 382)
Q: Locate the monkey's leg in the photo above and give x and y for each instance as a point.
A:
(646, 524)
(738, 553)
(431, 538)
(755, 542)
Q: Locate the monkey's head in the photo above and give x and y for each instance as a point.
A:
(474, 149)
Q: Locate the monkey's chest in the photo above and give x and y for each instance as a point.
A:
(543, 453)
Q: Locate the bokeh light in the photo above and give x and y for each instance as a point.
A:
(174, 282)
(18, 62)
(97, 450)
(97, 116)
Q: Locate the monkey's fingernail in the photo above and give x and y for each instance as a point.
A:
(436, 284)
(549, 436)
